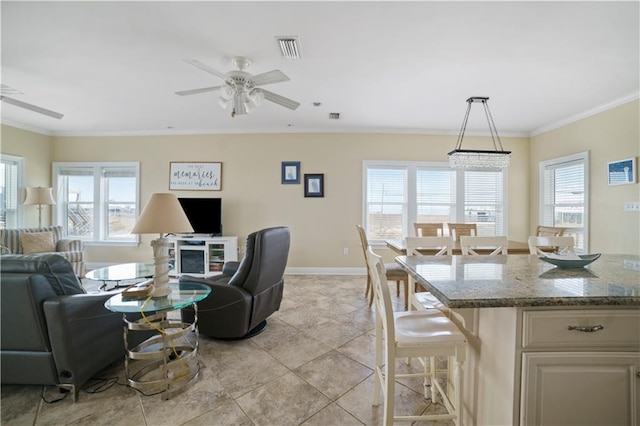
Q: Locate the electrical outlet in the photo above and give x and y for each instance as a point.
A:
(345, 250)
(632, 206)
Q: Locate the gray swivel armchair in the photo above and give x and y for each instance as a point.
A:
(52, 332)
(246, 293)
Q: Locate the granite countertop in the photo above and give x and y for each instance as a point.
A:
(525, 280)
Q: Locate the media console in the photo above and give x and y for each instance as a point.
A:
(201, 256)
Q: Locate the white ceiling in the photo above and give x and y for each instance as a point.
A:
(113, 67)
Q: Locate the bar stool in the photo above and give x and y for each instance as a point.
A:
(421, 334)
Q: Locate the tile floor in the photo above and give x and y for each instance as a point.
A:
(313, 365)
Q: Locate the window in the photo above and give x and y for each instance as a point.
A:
(563, 196)
(398, 194)
(11, 173)
(97, 201)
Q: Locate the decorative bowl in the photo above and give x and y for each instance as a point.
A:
(584, 260)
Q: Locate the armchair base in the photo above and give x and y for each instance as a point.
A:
(251, 333)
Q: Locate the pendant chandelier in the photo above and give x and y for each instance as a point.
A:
(497, 158)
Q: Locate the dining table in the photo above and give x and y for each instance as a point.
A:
(541, 337)
(400, 247)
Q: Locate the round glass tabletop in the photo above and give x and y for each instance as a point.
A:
(122, 272)
(182, 295)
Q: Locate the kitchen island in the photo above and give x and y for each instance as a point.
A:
(546, 345)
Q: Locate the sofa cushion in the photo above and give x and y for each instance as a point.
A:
(56, 269)
(37, 242)
(10, 238)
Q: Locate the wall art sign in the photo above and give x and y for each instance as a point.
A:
(622, 172)
(195, 176)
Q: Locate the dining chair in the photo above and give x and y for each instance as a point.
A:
(424, 299)
(393, 272)
(421, 334)
(544, 245)
(456, 230)
(425, 229)
(549, 231)
(471, 245)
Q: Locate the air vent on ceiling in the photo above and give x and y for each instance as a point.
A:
(334, 116)
(290, 47)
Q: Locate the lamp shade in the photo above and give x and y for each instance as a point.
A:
(39, 195)
(162, 214)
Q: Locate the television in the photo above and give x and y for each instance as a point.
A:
(204, 214)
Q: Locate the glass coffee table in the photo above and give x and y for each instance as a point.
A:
(115, 274)
(168, 360)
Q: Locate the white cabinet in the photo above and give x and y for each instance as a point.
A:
(580, 367)
(579, 388)
(202, 256)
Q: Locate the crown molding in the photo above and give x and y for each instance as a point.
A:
(588, 113)
(27, 127)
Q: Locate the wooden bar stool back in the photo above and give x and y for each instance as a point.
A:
(394, 272)
(424, 229)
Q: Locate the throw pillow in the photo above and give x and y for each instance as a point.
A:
(37, 242)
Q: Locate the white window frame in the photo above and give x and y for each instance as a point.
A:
(584, 158)
(411, 198)
(19, 163)
(100, 226)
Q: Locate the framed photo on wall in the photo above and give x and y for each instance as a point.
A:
(290, 172)
(314, 185)
(622, 172)
(195, 176)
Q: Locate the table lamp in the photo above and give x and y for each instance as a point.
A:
(163, 214)
(40, 196)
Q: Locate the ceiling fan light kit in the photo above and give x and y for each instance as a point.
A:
(240, 89)
(497, 158)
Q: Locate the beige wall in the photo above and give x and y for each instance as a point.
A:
(609, 136)
(253, 196)
(36, 150)
(252, 193)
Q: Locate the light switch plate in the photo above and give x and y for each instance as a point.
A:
(632, 206)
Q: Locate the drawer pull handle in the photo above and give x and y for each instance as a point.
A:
(591, 329)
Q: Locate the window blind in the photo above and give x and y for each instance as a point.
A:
(483, 201)
(435, 195)
(386, 202)
(563, 197)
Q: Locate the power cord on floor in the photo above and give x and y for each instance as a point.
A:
(63, 391)
(99, 384)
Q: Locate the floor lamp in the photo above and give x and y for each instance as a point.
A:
(163, 214)
(39, 196)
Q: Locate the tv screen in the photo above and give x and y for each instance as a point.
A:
(205, 214)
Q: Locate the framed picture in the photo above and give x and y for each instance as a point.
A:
(314, 185)
(290, 172)
(622, 172)
(195, 176)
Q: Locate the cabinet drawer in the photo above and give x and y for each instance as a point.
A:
(609, 328)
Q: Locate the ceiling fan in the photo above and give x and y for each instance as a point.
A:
(31, 107)
(240, 89)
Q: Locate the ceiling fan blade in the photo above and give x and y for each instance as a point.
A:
(31, 107)
(280, 100)
(206, 68)
(196, 91)
(275, 76)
